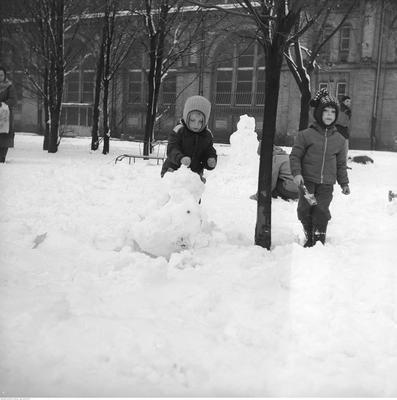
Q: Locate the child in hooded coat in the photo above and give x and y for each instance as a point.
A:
(191, 142)
(318, 160)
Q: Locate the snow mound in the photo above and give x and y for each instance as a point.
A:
(244, 143)
(184, 182)
(175, 225)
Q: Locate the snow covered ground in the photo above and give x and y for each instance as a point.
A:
(100, 297)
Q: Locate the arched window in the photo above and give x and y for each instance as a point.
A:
(240, 74)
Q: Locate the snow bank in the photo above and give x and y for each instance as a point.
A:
(88, 313)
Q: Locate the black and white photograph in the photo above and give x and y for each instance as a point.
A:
(198, 198)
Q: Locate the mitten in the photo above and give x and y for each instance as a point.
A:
(186, 161)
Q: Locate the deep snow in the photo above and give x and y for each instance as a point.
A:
(98, 297)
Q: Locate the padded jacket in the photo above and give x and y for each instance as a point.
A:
(319, 155)
(183, 142)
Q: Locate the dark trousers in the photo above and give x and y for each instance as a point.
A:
(3, 154)
(316, 216)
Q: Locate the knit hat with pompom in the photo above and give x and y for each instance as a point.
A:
(321, 100)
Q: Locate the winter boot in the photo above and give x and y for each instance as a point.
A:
(3, 154)
(319, 235)
(308, 229)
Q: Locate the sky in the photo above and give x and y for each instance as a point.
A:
(117, 283)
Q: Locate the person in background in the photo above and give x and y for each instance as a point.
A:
(283, 184)
(343, 122)
(7, 101)
(318, 160)
(191, 143)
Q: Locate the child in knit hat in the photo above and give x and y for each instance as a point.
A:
(318, 160)
(190, 143)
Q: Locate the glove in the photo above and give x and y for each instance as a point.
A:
(211, 162)
(345, 189)
(186, 161)
(298, 179)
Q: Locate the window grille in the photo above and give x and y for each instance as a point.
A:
(240, 75)
(345, 38)
(135, 87)
(341, 90)
(78, 98)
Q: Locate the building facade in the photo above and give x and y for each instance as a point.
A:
(360, 60)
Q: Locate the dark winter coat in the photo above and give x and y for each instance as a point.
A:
(183, 142)
(8, 96)
(319, 155)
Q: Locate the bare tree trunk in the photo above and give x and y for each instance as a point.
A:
(149, 127)
(106, 131)
(274, 47)
(305, 108)
(110, 21)
(53, 132)
(56, 73)
(154, 83)
(46, 111)
(304, 86)
(151, 112)
(274, 60)
(97, 96)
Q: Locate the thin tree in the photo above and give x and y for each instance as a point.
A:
(169, 33)
(274, 21)
(56, 71)
(117, 40)
(302, 67)
(98, 87)
(42, 25)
